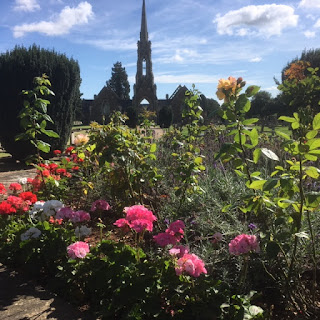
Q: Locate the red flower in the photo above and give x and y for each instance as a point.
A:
(28, 196)
(61, 171)
(18, 203)
(75, 168)
(6, 208)
(45, 173)
(2, 189)
(53, 167)
(69, 149)
(56, 152)
(29, 180)
(15, 186)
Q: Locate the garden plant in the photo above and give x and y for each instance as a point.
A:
(206, 223)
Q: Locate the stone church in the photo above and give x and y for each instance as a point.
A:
(144, 88)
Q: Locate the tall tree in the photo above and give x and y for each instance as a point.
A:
(119, 81)
(17, 71)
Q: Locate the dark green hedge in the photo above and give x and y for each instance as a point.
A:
(17, 71)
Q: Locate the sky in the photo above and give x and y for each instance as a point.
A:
(193, 41)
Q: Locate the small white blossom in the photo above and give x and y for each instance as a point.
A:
(31, 233)
(83, 231)
(23, 181)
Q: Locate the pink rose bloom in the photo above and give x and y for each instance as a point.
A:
(243, 244)
(176, 227)
(78, 249)
(138, 218)
(139, 225)
(139, 212)
(100, 205)
(121, 223)
(178, 251)
(191, 264)
(163, 239)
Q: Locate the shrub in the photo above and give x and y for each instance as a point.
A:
(17, 71)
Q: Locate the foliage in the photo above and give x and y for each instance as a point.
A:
(17, 70)
(34, 117)
(118, 82)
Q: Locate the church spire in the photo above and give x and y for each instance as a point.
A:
(144, 28)
(144, 87)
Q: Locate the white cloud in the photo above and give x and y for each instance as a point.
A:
(68, 18)
(256, 59)
(317, 24)
(26, 5)
(309, 4)
(113, 44)
(269, 20)
(309, 34)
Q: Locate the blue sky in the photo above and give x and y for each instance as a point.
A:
(193, 41)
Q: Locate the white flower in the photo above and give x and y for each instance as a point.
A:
(36, 208)
(31, 233)
(83, 231)
(23, 181)
(50, 208)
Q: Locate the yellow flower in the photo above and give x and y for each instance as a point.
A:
(81, 139)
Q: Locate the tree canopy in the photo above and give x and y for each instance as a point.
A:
(119, 81)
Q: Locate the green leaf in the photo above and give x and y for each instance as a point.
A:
(269, 154)
(316, 122)
(312, 172)
(254, 137)
(47, 117)
(43, 124)
(282, 134)
(295, 125)
(311, 157)
(252, 90)
(311, 134)
(256, 155)
(43, 146)
(243, 104)
(270, 184)
(153, 147)
(257, 185)
(50, 133)
(198, 160)
(250, 121)
(287, 119)
(313, 144)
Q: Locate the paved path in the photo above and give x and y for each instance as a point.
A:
(23, 299)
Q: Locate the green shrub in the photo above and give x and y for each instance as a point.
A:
(17, 71)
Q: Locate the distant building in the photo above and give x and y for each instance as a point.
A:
(107, 101)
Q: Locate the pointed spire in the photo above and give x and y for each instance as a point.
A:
(144, 29)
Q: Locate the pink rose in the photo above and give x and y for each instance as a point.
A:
(78, 249)
(243, 244)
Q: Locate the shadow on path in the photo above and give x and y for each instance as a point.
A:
(22, 299)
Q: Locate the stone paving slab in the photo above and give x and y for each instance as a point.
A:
(23, 299)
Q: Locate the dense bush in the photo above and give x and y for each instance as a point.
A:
(17, 71)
